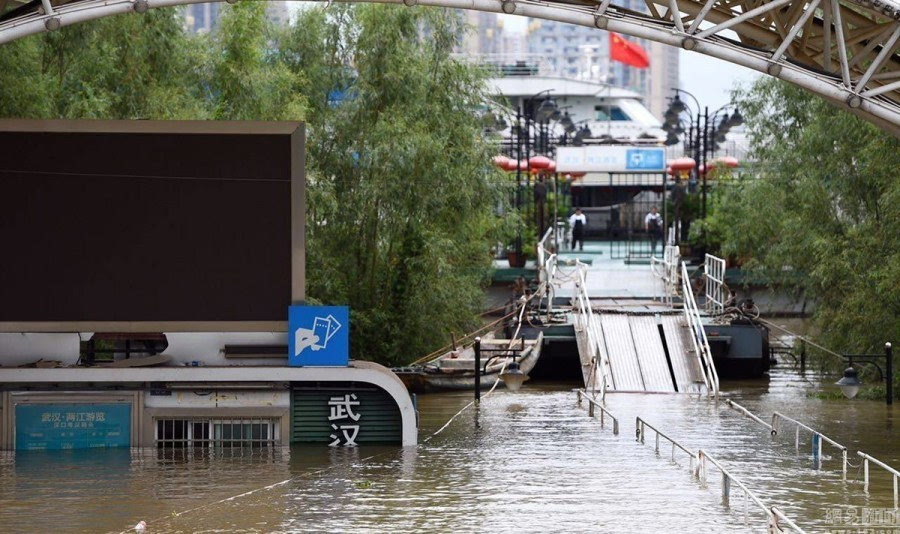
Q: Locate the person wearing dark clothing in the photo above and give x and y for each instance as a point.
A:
(653, 223)
(578, 222)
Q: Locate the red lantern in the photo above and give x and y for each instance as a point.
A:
(577, 175)
(510, 165)
(682, 164)
(523, 164)
(669, 171)
(702, 168)
(500, 161)
(540, 162)
(552, 168)
(729, 161)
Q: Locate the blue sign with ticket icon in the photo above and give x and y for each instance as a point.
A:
(645, 159)
(319, 336)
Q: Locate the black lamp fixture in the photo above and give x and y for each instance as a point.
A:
(513, 377)
(567, 124)
(545, 110)
(850, 383)
(677, 105)
(583, 133)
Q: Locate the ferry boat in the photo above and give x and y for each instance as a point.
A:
(455, 369)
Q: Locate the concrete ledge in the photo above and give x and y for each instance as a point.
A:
(358, 371)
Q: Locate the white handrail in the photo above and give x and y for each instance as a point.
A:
(895, 474)
(772, 514)
(641, 431)
(603, 411)
(699, 341)
(751, 415)
(818, 438)
(666, 269)
(714, 283)
(547, 265)
(591, 326)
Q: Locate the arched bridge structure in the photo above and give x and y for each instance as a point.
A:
(843, 50)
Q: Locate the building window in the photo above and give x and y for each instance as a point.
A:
(615, 113)
(205, 432)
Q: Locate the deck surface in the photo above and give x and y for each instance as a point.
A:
(648, 347)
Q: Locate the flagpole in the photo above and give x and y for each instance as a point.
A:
(609, 94)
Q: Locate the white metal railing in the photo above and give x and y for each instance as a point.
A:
(666, 270)
(641, 431)
(587, 322)
(894, 474)
(774, 517)
(817, 439)
(750, 414)
(670, 234)
(714, 284)
(547, 265)
(699, 342)
(604, 413)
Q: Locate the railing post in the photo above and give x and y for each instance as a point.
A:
(817, 450)
(478, 370)
(889, 370)
(802, 356)
(615, 427)
(866, 475)
(726, 489)
(590, 407)
(844, 464)
(896, 502)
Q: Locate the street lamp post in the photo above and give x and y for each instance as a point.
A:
(850, 382)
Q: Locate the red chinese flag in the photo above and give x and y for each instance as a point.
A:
(627, 52)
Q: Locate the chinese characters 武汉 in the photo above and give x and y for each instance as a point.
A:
(342, 418)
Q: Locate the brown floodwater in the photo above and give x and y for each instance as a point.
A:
(531, 461)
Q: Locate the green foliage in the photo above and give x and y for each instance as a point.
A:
(245, 84)
(401, 194)
(401, 190)
(820, 215)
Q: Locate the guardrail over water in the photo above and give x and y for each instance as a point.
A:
(714, 284)
(666, 270)
(587, 321)
(699, 342)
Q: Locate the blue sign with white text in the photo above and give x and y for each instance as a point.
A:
(72, 426)
(645, 159)
(319, 336)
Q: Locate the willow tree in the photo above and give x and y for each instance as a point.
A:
(401, 194)
(821, 214)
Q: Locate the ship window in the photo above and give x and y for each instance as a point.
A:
(205, 432)
(615, 113)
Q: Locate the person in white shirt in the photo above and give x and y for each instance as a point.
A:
(577, 222)
(653, 223)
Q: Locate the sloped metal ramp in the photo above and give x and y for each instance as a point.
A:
(638, 359)
(685, 362)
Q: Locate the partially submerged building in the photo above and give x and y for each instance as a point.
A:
(148, 270)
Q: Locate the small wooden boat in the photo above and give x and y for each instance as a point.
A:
(455, 370)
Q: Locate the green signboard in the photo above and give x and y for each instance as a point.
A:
(72, 426)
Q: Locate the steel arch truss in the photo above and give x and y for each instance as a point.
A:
(843, 50)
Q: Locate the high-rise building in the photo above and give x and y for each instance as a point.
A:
(583, 53)
(483, 36)
(204, 18)
(663, 76)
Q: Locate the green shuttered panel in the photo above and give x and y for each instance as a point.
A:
(379, 420)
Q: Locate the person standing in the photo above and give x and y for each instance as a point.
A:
(653, 224)
(578, 222)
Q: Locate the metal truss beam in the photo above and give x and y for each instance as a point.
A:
(842, 50)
